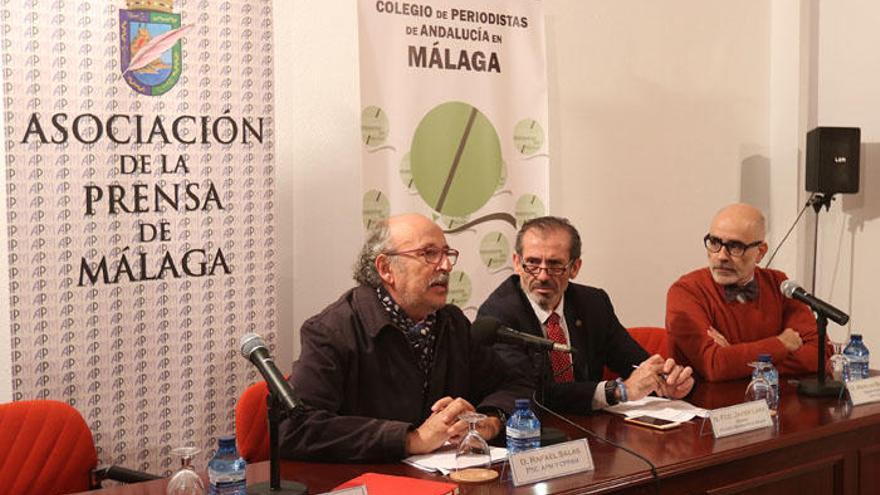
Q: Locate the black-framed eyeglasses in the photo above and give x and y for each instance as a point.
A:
(734, 248)
(554, 270)
(431, 255)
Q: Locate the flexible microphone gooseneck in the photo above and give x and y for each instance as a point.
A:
(487, 330)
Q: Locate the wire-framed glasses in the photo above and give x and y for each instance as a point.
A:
(554, 269)
(734, 248)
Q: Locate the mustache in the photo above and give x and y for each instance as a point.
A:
(440, 279)
(545, 284)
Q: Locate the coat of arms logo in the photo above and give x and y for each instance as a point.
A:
(149, 41)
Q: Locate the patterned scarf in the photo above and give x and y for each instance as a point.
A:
(419, 334)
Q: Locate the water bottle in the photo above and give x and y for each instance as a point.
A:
(858, 356)
(226, 470)
(771, 374)
(523, 428)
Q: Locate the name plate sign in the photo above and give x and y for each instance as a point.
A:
(554, 461)
(864, 391)
(740, 418)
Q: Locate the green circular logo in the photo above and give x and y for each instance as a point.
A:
(494, 250)
(459, 288)
(528, 206)
(406, 174)
(528, 136)
(374, 126)
(455, 159)
(375, 208)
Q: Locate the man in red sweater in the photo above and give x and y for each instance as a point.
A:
(721, 317)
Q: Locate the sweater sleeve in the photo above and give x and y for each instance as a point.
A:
(688, 321)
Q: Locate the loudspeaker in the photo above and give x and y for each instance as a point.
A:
(833, 160)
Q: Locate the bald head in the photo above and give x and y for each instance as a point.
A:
(744, 218)
(739, 225)
(404, 231)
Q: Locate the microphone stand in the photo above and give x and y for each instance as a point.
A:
(549, 435)
(819, 386)
(276, 411)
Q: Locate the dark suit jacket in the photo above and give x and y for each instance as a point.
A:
(595, 331)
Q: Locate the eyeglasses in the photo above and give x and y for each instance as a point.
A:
(554, 270)
(431, 255)
(734, 248)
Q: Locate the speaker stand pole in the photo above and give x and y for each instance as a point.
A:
(817, 201)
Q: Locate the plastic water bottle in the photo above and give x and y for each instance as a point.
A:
(226, 470)
(523, 428)
(771, 374)
(858, 356)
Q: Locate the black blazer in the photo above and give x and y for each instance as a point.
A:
(596, 334)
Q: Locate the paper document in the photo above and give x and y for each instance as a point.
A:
(659, 407)
(444, 460)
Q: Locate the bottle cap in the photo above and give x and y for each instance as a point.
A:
(765, 358)
(522, 403)
(857, 336)
(227, 441)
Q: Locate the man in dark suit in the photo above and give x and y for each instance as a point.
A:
(547, 256)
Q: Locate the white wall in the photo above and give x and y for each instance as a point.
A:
(318, 126)
(660, 115)
(849, 235)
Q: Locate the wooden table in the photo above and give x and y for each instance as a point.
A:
(819, 446)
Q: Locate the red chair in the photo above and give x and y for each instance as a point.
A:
(47, 449)
(251, 423)
(655, 340)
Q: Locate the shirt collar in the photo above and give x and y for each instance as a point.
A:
(543, 314)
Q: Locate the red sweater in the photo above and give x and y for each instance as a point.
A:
(695, 302)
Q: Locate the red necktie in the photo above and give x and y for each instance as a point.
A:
(560, 361)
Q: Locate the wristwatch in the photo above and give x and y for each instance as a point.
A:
(610, 387)
(621, 390)
(497, 412)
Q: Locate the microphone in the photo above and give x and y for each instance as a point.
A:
(488, 330)
(253, 348)
(792, 290)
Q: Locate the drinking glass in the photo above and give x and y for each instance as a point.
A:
(472, 451)
(839, 363)
(759, 387)
(186, 481)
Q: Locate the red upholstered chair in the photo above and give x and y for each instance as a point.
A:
(46, 448)
(655, 340)
(251, 423)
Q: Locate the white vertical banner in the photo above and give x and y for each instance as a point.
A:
(140, 207)
(454, 125)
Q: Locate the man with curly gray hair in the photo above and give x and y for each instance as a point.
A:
(388, 368)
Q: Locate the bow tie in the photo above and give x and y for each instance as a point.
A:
(741, 293)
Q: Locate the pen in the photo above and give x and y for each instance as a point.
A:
(662, 375)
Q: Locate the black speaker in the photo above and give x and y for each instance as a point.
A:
(833, 160)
